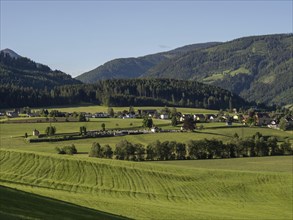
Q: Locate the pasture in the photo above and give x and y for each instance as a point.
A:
(12, 135)
(281, 164)
(155, 191)
(242, 188)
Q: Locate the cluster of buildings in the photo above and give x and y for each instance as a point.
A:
(257, 119)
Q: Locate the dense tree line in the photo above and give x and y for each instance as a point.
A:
(255, 146)
(143, 92)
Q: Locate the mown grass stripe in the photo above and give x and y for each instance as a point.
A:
(127, 188)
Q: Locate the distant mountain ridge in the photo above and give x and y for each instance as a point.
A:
(19, 71)
(258, 68)
(10, 53)
(127, 68)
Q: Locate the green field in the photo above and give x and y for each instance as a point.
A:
(281, 164)
(15, 204)
(242, 188)
(12, 135)
(157, 191)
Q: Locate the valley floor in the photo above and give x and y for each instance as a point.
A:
(241, 188)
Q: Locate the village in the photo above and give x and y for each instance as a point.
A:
(252, 117)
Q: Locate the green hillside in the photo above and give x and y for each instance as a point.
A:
(153, 191)
(258, 68)
(135, 67)
(15, 204)
(17, 71)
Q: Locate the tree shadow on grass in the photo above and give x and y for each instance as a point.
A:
(36, 206)
(82, 152)
(216, 134)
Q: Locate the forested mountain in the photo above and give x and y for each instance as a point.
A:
(125, 92)
(125, 68)
(258, 68)
(18, 71)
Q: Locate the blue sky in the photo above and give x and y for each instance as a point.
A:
(77, 36)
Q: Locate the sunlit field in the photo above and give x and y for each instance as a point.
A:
(148, 190)
(246, 188)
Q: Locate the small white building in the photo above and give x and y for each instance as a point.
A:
(12, 114)
(101, 115)
(154, 129)
(164, 116)
(130, 115)
(36, 133)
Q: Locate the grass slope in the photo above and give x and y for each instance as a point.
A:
(281, 164)
(15, 204)
(151, 191)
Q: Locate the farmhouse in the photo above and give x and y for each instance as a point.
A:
(12, 114)
(129, 115)
(274, 124)
(210, 117)
(92, 133)
(237, 117)
(199, 117)
(262, 119)
(164, 116)
(100, 115)
(33, 114)
(154, 129)
(36, 133)
(147, 112)
(88, 115)
(184, 116)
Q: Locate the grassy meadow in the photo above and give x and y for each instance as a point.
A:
(12, 135)
(92, 188)
(155, 191)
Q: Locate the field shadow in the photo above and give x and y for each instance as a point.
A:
(45, 207)
(210, 133)
(82, 152)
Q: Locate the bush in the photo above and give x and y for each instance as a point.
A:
(67, 150)
(51, 130)
(107, 151)
(96, 150)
